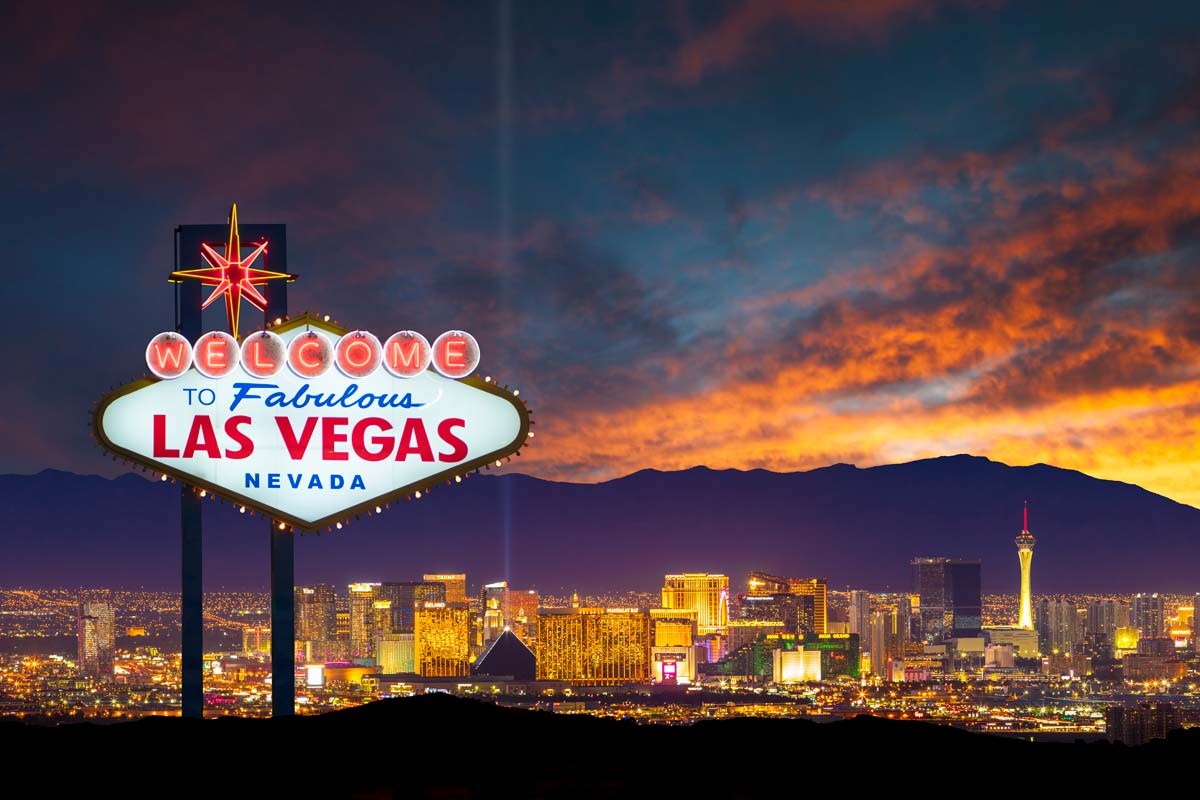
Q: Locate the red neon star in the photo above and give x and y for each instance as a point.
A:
(233, 275)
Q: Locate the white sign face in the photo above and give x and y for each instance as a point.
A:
(311, 451)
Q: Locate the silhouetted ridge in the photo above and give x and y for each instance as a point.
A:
(856, 527)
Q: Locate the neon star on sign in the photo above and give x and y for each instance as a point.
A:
(312, 424)
(233, 275)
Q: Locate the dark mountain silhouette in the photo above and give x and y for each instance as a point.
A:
(857, 527)
(442, 746)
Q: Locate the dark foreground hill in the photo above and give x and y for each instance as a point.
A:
(858, 527)
(441, 746)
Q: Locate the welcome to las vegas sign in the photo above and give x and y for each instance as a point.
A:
(310, 423)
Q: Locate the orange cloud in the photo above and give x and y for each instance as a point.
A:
(1062, 330)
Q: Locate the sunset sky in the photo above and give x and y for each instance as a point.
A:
(768, 234)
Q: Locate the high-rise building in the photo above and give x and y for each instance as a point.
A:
(404, 597)
(341, 623)
(593, 646)
(1057, 624)
(818, 590)
(493, 600)
(1025, 543)
(504, 609)
(441, 644)
(795, 613)
(1104, 617)
(760, 584)
(951, 602)
(455, 583)
(97, 639)
(362, 619)
(1147, 615)
(1196, 622)
(707, 594)
(396, 653)
(886, 637)
(859, 612)
(256, 640)
(316, 613)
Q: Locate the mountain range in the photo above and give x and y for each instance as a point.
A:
(856, 527)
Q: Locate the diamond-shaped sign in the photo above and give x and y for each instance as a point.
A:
(311, 451)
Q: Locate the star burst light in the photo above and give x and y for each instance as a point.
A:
(233, 275)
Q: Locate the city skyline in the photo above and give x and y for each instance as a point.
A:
(1083, 529)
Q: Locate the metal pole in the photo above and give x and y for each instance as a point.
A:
(283, 611)
(191, 542)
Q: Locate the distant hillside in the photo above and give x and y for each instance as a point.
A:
(858, 527)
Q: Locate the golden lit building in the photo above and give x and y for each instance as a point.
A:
(441, 646)
(705, 593)
(593, 646)
(672, 628)
(762, 584)
(341, 626)
(362, 619)
(1125, 641)
(256, 640)
(455, 583)
(819, 591)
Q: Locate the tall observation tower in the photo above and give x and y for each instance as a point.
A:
(1025, 543)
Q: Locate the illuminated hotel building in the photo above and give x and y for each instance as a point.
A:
(707, 594)
(1147, 615)
(493, 599)
(951, 604)
(593, 646)
(886, 637)
(455, 583)
(745, 631)
(256, 640)
(362, 619)
(672, 651)
(1025, 543)
(759, 584)
(818, 590)
(441, 646)
(97, 639)
(1104, 617)
(859, 612)
(316, 613)
(404, 597)
(795, 613)
(382, 621)
(1057, 627)
(395, 652)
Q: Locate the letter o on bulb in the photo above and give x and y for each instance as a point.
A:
(216, 354)
(406, 354)
(168, 355)
(263, 354)
(455, 354)
(310, 354)
(358, 354)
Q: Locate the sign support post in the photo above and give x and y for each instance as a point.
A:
(188, 324)
(283, 567)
